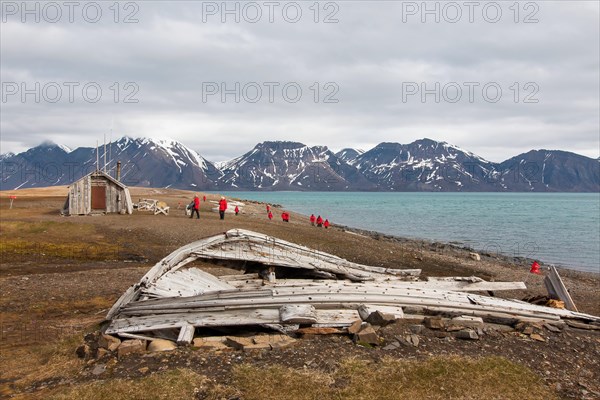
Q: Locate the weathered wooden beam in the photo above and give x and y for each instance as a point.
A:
(555, 286)
(298, 314)
(186, 334)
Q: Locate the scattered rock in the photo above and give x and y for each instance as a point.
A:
(454, 328)
(380, 319)
(475, 256)
(281, 341)
(98, 369)
(131, 347)
(467, 334)
(259, 342)
(434, 323)
(416, 328)
(161, 345)
(355, 327)
(102, 353)
(143, 370)
(367, 335)
(412, 339)
(363, 312)
(537, 337)
(392, 346)
(204, 344)
(467, 321)
(109, 342)
(441, 334)
(238, 343)
(319, 331)
(83, 351)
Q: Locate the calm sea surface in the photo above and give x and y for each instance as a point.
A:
(557, 228)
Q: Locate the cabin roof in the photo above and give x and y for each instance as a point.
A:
(102, 174)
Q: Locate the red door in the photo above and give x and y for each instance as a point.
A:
(98, 197)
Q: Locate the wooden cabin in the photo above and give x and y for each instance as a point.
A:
(98, 193)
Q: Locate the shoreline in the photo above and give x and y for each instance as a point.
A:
(427, 243)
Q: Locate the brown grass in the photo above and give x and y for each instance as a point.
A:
(29, 241)
(436, 378)
(175, 384)
(35, 363)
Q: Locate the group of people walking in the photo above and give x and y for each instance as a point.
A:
(319, 222)
(285, 216)
(194, 206)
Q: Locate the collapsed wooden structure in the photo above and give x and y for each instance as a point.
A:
(287, 284)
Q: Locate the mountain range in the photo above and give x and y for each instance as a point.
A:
(424, 165)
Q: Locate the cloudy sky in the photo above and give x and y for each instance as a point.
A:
(496, 78)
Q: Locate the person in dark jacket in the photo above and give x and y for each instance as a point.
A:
(196, 207)
(222, 207)
(319, 221)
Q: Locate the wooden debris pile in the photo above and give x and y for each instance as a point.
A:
(288, 287)
(153, 205)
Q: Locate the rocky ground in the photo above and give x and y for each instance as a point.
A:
(59, 275)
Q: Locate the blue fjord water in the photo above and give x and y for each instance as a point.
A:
(556, 228)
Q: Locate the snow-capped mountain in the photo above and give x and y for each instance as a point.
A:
(144, 162)
(291, 166)
(348, 155)
(427, 165)
(424, 165)
(550, 170)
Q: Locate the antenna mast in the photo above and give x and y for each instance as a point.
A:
(97, 156)
(105, 153)
(110, 150)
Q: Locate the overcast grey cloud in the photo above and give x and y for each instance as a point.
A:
(369, 72)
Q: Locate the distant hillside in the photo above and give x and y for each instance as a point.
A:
(424, 165)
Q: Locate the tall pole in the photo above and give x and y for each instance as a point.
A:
(105, 153)
(97, 157)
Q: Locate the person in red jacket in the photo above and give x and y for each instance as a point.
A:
(285, 216)
(237, 210)
(268, 208)
(222, 207)
(196, 207)
(319, 221)
(312, 219)
(326, 223)
(204, 198)
(270, 215)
